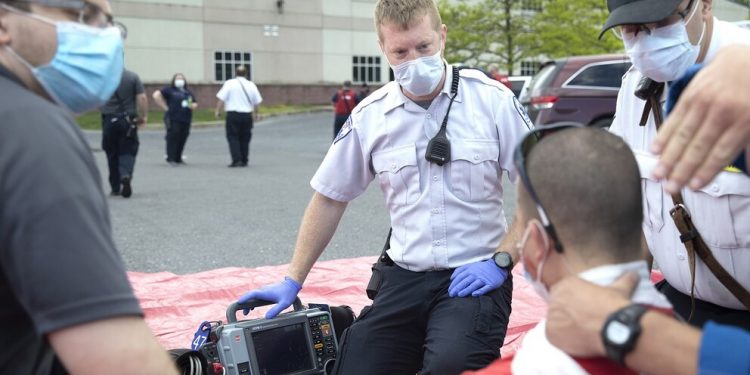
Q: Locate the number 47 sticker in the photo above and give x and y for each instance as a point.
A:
(201, 335)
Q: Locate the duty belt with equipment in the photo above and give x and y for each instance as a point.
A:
(651, 92)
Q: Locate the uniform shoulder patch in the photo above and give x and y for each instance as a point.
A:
(522, 112)
(345, 130)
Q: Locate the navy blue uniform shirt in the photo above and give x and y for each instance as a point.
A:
(178, 103)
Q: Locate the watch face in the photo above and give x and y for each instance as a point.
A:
(617, 332)
(503, 259)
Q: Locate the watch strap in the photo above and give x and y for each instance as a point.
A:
(631, 317)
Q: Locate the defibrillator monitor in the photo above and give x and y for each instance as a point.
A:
(287, 342)
(301, 342)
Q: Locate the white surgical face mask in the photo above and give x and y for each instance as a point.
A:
(179, 83)
(420, 76)
(666, 53)
(536, 283)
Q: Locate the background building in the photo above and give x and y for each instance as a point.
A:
(297, 51)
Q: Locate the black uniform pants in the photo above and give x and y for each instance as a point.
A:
(704, 311)
(338, 123)
(120, 143)
(239, 128)
(414, 327)
(177, 135)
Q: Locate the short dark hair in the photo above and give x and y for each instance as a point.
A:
(241, 71)
(347, 84)
(589, 183)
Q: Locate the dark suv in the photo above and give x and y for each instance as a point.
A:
(582, 89)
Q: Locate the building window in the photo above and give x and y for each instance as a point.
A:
(366, 69)
(532, 5)
(529, 68)
(225, 62)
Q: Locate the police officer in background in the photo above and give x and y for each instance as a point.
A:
(124, 113)
(663, 39)
(444, 298)
(241, 100)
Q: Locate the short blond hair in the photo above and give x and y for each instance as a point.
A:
(405, 13)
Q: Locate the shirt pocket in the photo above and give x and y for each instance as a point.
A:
(721, 211)
(474, 169)
(398, 174)
(653, 194)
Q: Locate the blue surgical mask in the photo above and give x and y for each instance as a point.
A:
(667, 52)
(420, 76)
(87, 67)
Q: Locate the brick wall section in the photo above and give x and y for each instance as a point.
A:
(272, 93)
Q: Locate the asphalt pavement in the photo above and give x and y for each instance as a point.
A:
(204, 215)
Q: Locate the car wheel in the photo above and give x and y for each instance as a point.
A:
(603, 123)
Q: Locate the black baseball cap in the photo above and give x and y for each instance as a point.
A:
(623, 12)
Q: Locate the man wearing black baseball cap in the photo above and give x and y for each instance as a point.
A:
(663, 39)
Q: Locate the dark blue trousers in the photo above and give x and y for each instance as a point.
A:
(120, 143)
(177, 135)
(239, 127)
(414, 327)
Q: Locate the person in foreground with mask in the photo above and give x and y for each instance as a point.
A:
(578, 223)
(66, 301)
(178, 102)
(444, 300)
(663, 39)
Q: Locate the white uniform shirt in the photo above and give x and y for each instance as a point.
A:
(234, 98)
(720, 211)
(442, 216)
(538, 356)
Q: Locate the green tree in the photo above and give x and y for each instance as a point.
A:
(485, 32)
(571, 27)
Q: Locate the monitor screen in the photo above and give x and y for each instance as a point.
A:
(282, 350)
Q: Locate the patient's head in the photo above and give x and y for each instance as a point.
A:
(588, 183)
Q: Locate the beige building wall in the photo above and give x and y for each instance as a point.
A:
(306, 42)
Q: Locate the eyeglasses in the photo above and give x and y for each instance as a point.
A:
(629, 31)
(522, 151)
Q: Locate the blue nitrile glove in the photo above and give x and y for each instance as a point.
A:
(282, 293)
(476, 279)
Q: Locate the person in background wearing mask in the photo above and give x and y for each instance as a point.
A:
(445, 292)
(663, 39)
(178, 103)
(577, 223)
(122, 115)
(66, 300)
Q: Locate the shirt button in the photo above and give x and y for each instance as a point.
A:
(476, 157)
(435, 210)
(436, 242)
(715, 188)
(434, 178)
(393, 166)
(428, 116)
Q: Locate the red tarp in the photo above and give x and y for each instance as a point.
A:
(175, 305)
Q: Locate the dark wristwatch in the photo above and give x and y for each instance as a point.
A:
(621, 331)
(503, 260)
